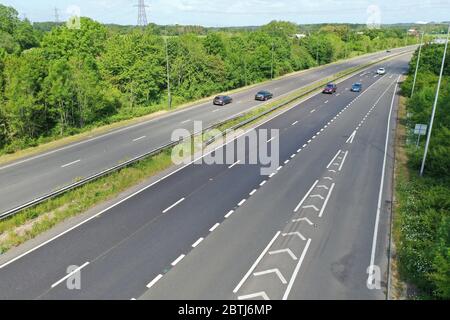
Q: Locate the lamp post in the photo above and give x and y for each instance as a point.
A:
(434, 105)
(169, 96)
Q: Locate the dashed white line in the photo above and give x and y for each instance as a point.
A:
(263, 183)
(253, 192)
(185, 121)
(69, 164)
(306, 196)
(295, 123)
(172, 206)
(70, 274)
(229, 214)
(214, 227)
(313, 110)
(279, 168)
(196, 243)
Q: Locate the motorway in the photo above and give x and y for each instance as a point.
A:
(308, 230)
(30, 178)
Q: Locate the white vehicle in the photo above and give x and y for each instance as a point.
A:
(381, 71)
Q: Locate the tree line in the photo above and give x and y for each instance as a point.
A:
(57, 81)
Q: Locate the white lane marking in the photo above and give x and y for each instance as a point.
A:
(155, 280)
(177, 260)
(343, 160)
(338, 94)
(313, 110)
(303, 219)
(322, 186)
(317, 196)
(305, 145)
(242, 202)
(380, 194)
(272, 174)
(287, 161)
(237, 162)
(275, 270)
(328, 178)
(196, 243)
(253, 192)
(140, 138)
(229, 214)
(293, 156)
(218, 110)
(279, 168)
(185, 121)
(214, 227)
(172, 206)
(287, 250)
(326, 102)
(309, 141)
(294, 234)
(311, 206)
(295, 123)
(331, 170)
(69, 164)
(352, 136)
(298, 150)
(334, 158)
(297, 268)
(306, 196)
(263, 183)
(70, 274)
(249, 272)
(326, 200)
(270, 139)
(261, 294)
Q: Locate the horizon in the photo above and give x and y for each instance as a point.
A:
(253, 13)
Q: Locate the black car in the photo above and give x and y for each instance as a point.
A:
(263, 95)
(222, 100)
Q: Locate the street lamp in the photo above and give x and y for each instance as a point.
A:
(434, 105)
(169, 96)
(417, 65)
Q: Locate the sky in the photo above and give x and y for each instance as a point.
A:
(216, 13)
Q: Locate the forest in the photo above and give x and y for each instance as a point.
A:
(57, 81)
(424, 202)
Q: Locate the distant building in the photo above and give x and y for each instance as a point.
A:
(413, 32)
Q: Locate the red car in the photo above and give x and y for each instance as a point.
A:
(330, 88)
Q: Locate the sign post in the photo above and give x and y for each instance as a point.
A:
(420, 130)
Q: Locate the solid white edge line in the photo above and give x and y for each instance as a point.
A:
(297, 269)
(172, 206)
(155, 280)
(380, 194)
(326, 200)
(249, 272)
(306, 196)
(70, 274)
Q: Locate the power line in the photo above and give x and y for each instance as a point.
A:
(142, 15)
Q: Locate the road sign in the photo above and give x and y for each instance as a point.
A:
(420, 129)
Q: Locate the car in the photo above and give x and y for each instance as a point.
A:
(330, 88)
(356, 87)
(222, 100)
(381, 71)
(263, 95)
(388, 50)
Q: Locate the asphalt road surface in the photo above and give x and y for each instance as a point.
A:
(30, 178)
(310, 229)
